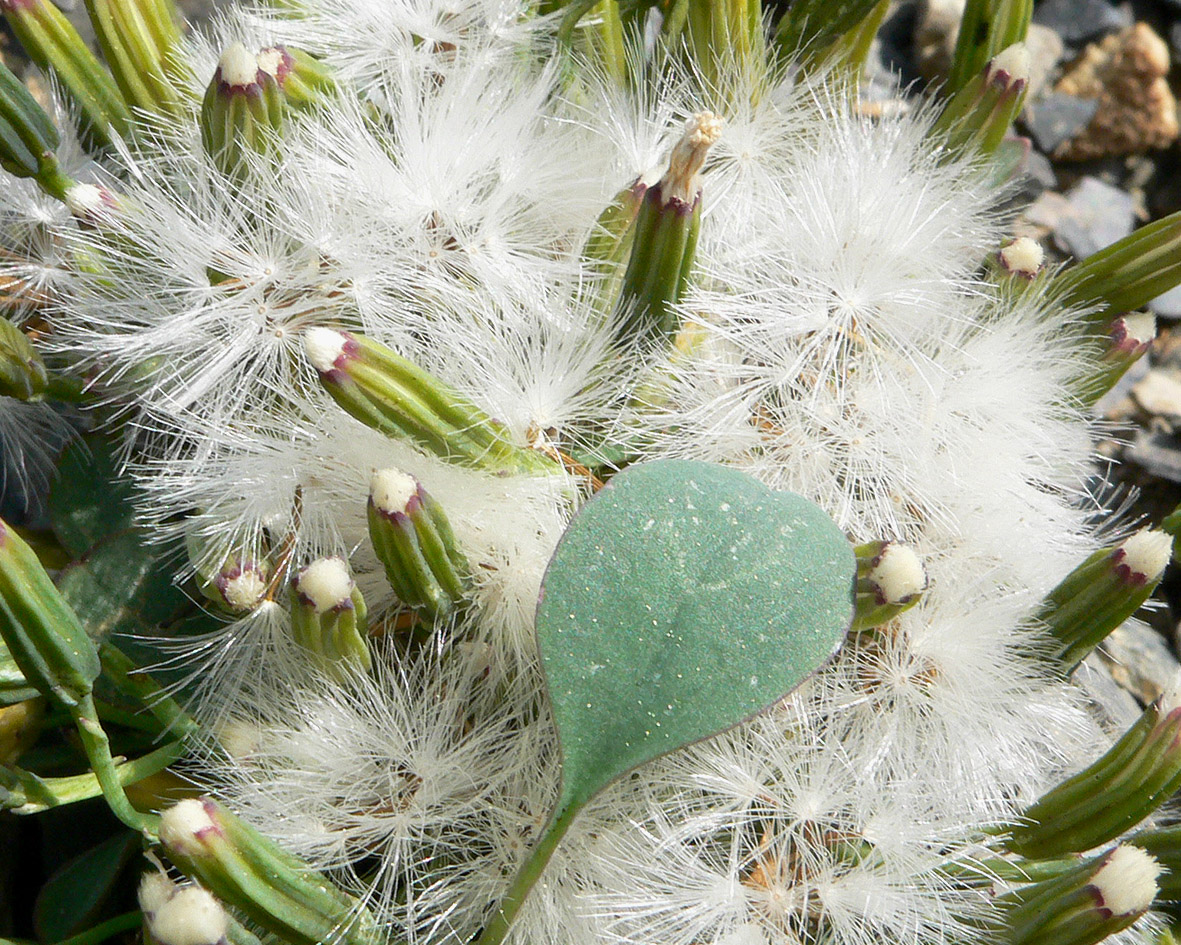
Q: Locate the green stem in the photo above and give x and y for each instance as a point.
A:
(105, 930)
(531, 870)
(98, 751)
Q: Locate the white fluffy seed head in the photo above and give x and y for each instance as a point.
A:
(899, 574)
(238, 66)
(323, 347)
(1146, 554)
(392, 489)
(191, 917)
(182, 825)
(325, 583)
(1023, 257)
(1127, 881)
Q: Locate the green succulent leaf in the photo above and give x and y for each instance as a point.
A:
(89, 500)
(684, 598)
(74, 896)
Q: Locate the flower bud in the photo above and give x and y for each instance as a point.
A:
(181, 915)
(273, 888)
(1023, 257)
(978, 116)
(303, 79)
(414, 541)
(22, 373)
(1138, 774)
(388, 393)
(51, 41)
(28, 138)
(664, 240)
(243, 112)
(40, 629)
(1097, 898)
(890, 580)
(1101, 593)
(328, 615)
(1128, 338)
(139, 40)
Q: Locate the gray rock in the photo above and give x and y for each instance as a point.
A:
(1055, 118)
(1088, 217)
(1158, 453)
(1140, 660)
(1167, 305)
(1080, 21)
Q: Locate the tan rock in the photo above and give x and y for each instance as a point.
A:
(1137, 111)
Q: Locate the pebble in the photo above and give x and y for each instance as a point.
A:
(1126, 74)
(1088, 217)
(1159, 393)
(1080, 21)
(1167, 305)
(1139, 660)
(1054, 119)
(935, 36)
(1157, 452)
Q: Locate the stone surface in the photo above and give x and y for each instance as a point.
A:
(1091, 215)
(1080, 21)
(1139, 660)
(1159, 393)
(1156, 452)
(1054, 119)
(1167, 305)
(1126, 74)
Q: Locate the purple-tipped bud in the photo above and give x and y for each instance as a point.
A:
(1023, 257)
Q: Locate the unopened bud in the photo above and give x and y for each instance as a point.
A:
(40, 629)
(328, 615)
(979, 115)
(91, 204)
(236, 863)
(140, 42)
(1129, 337)
(1138, 774)
(53, 43)
(664, 238)
(243, 112)
(28, 138)
(414, 542)
(181, 915)
(1095, 899)
(305, 80)
(22, 372)
(890, 580)
(1023, 257)
(390, 394)
(1101, 593)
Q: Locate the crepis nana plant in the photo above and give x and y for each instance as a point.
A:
(726, 574)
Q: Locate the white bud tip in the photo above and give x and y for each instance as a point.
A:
(85, 200)
(323, 347)
(155, 889)
(245, 590)
(1127, 881)
(899, 574)
(391, 490)
(1013, 61)
(269, 60)
(325, 583)
(191, 917)
(1139, 327)
(238, 66)
(1146, 554)
(1023, 257)
(183, 824)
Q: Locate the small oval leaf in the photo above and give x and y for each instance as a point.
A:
(684, 598)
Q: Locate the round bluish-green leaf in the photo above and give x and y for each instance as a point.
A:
(684, 598)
